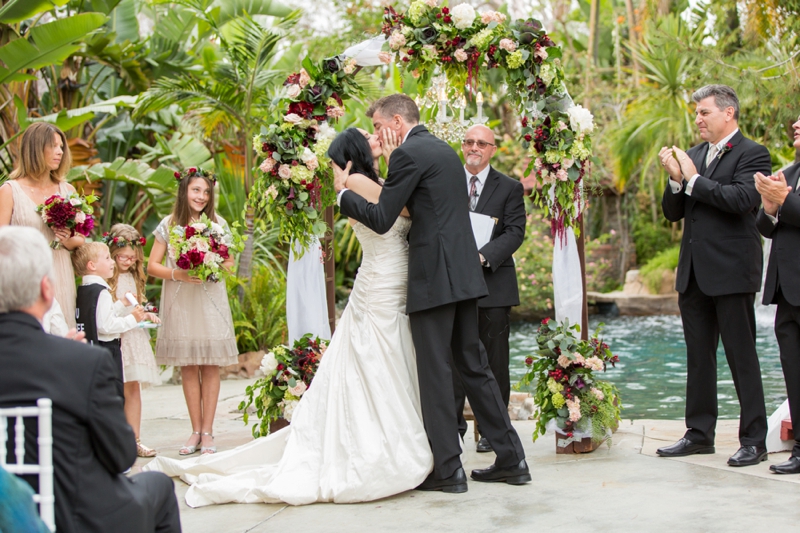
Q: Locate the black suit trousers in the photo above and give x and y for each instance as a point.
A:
(787, 330)
(450, 333)
(706, 319)
(493, 330)
(155, 494)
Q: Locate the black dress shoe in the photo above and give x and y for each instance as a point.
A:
(513, 475)
(792, 466)
(456, 483)
(748, 456)
(683, 448)
(483, 446)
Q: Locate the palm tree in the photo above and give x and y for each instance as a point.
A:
(660, 114)
(232, 92)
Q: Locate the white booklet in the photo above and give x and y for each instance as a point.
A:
(482, 228)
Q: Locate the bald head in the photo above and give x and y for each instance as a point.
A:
(477, 157)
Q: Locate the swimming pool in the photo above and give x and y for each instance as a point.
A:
(651, 374)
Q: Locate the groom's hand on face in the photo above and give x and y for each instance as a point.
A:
(340, 175)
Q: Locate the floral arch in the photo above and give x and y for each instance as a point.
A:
(295, 185)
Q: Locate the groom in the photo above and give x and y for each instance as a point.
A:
(444, 284)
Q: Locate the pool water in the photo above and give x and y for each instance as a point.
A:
(651, 374)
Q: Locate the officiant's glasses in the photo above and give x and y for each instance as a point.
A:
(480, 144)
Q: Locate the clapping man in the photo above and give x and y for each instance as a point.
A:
(500, 197)
(711, 187)
(92, 442)
(779, 220)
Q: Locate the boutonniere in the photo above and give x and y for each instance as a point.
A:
(725, 149)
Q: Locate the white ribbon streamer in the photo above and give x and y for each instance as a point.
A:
(306, 300)
(366, 52)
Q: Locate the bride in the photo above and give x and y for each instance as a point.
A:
(357, 433)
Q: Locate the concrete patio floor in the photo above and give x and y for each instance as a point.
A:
(618, 489)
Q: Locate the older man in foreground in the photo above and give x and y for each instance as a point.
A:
(92, 442)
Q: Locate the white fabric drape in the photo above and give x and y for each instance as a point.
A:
(306, 301)
(567, 282)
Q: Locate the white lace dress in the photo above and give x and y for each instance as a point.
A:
(138, 361)
(357, 433)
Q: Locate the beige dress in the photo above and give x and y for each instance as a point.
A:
(24, 214)
(138, 361)
(196, 322)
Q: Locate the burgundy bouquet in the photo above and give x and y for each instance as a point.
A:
(73, 213)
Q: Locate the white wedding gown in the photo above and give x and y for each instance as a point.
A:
(357, 433)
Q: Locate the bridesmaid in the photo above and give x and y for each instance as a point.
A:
(39, 172)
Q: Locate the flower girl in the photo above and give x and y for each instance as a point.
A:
(138, 362)
(197, 334)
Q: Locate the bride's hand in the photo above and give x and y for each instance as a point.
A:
(389, 141)
(340, 175)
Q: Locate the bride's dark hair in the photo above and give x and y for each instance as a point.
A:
(350, 145)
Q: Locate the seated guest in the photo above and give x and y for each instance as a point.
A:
(779, 220)
(92, 442)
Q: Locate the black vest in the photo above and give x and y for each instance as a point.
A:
(86, 310)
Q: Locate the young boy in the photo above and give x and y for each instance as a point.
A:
(96, 314)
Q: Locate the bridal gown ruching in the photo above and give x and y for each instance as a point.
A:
(357, 433)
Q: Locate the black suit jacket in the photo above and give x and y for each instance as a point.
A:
(720, 240)
(502, 198)
(92, 442)
(426, 175)
(784, 257)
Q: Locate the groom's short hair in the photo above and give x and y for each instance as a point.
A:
(395, 104)
(724, 97)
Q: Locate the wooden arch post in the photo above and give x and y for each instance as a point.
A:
(330, 269)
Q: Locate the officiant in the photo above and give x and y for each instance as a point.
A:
(500, 199)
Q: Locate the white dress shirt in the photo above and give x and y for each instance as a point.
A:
(113, 319)
(676, 187)
(482, 175)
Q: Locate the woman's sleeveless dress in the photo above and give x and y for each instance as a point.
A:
(24, 214)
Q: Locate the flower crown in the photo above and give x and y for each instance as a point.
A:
(195, 172)
(121, 242)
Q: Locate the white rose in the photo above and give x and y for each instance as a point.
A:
(309, 159)
(212, 259)
(385, 57)
(288, 409)
(580, 119)
(294, 118)
(325, 132)
(463, 16)
(80, 217)
(432, 3)
(75, 201)
(461, 55)
(267, 165)
(298, 389)
(199, 244)
(269, 364)
(293, 91)
(285, 172)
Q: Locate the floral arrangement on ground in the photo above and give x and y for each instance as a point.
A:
(288, 373)
(296, 181)
(567, 396)
(459, 41)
